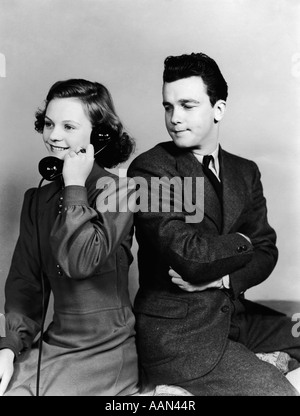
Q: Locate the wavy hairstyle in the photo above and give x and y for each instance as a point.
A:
(197, 64)
(100, 109)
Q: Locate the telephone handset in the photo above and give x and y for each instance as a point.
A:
(51, 167)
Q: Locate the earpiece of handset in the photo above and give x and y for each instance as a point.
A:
(101, 136)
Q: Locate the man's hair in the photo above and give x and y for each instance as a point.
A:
(201, 65)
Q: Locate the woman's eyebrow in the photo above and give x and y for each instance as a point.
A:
(71, 121)
(64, 121)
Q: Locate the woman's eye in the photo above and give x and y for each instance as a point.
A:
(69, 127)
(47, 124)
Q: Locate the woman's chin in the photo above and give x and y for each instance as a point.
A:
(58, 155)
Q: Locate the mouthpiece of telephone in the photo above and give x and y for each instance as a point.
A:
(51, 167)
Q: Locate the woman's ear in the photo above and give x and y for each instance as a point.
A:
(219, 108)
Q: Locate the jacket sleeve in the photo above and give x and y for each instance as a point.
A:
(83, 237)
(263, 238)
(195, 252)
(23, 288)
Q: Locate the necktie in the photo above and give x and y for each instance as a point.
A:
(211, 176)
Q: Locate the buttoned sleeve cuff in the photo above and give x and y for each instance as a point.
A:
(74, 195)
(12, 341)
(247, 238)
(226, 281)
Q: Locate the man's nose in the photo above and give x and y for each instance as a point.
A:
(176, 116)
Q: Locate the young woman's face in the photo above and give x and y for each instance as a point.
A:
(67, 126)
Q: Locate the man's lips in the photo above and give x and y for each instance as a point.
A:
(179, 131)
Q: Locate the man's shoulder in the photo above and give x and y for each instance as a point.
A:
(161, 153)
(160, 149)
(235, 159)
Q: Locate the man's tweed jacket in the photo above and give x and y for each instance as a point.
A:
(182, 335)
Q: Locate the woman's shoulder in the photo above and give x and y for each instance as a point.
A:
(41, 194)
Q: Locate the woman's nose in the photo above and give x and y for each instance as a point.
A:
(55, 135)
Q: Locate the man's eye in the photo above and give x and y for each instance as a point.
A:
(167, 109)
(188, 107)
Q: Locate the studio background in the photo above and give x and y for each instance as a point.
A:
(122, 44)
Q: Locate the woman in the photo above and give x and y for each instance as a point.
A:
(74, 242)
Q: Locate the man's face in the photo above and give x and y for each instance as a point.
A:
(189, 115)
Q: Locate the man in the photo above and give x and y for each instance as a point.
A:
(195, 329)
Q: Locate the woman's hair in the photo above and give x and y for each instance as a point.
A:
(197, 64)
(100, 109)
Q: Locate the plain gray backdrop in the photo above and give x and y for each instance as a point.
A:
(122, 44)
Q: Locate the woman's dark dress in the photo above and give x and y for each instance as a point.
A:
(89, 347)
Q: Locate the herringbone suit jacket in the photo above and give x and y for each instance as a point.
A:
(182, 335)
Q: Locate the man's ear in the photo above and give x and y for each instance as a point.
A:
(219, 108)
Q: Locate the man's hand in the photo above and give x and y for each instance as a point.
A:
(6, 368)
(188, 287)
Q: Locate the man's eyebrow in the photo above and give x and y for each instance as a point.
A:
(183, 101)
(189, 100)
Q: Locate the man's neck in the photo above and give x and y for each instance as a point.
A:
(206, 150)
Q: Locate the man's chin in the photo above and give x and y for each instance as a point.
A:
(181, 143)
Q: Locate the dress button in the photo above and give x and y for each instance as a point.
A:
(225, 308)
(59, 271)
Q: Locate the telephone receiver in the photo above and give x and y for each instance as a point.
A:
(51, 167)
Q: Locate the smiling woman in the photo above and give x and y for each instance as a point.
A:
(68, 247)
(66, 126)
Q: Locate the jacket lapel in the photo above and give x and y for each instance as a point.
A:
(233, 190)
(189, 166)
